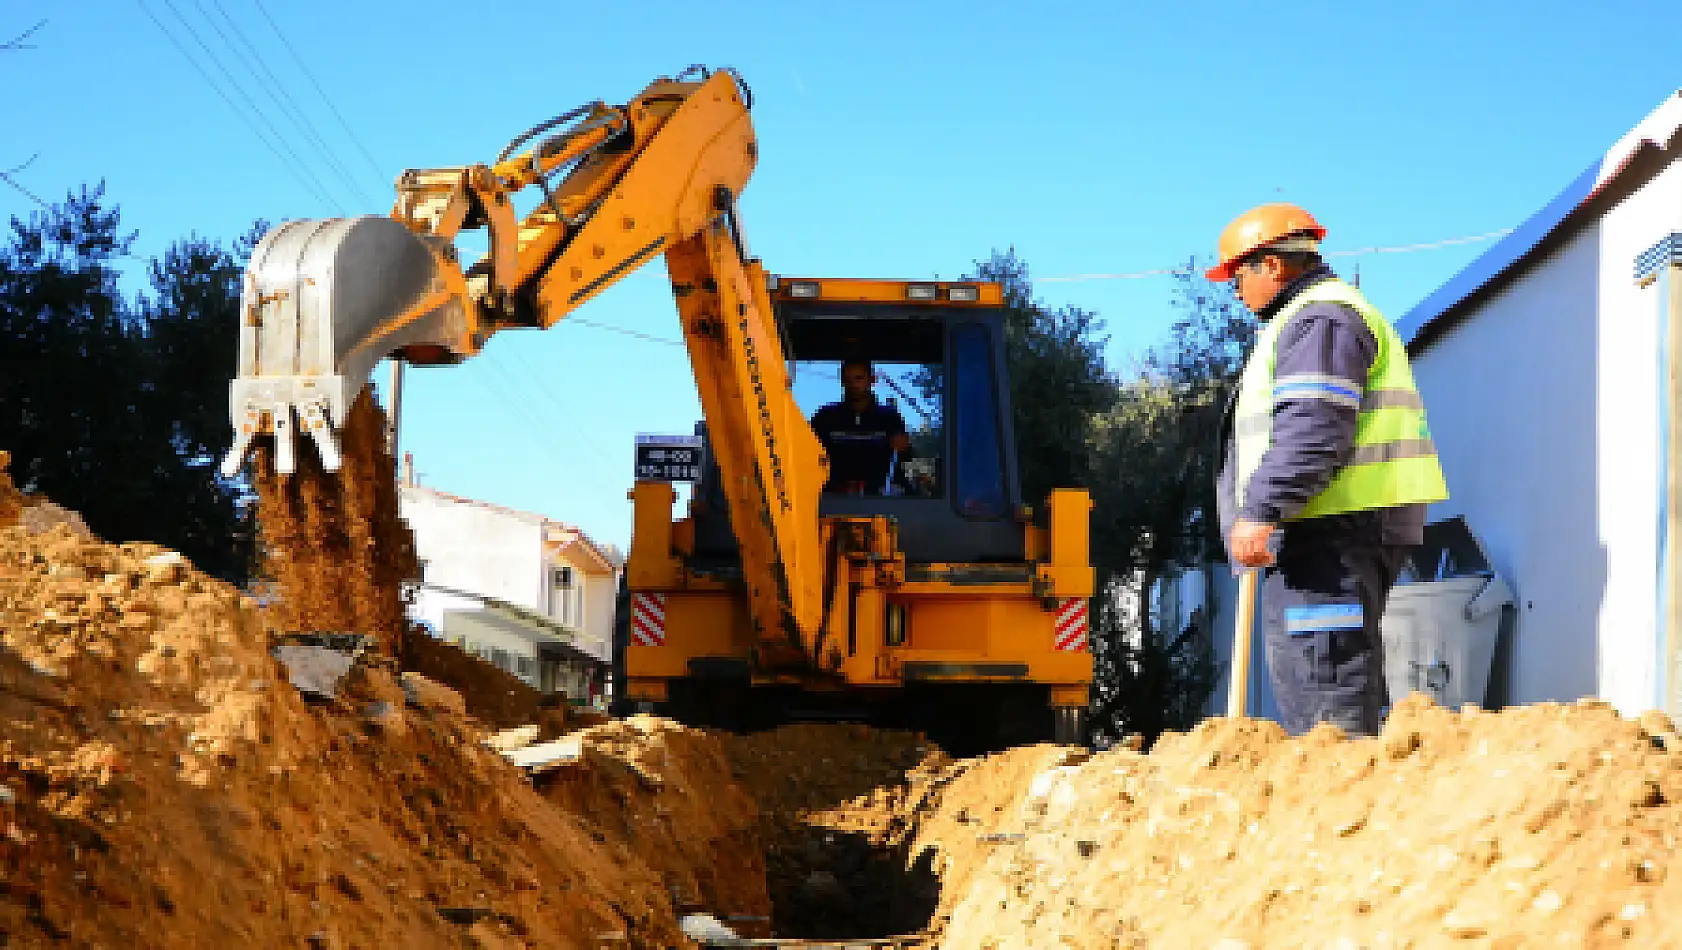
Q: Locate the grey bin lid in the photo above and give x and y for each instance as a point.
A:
(1449, 550)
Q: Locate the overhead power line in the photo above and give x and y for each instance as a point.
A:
(259, 69)
(355, 139)
(624, 331)
(1357, 252)
(20, 41)
(1157, 272)
(299, 171)
(6, 176)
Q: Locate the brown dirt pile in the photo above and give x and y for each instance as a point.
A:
(664, 794)
(34, 513)
(11, 500)
(1540, 826)
(493, 696)
(333, 542)
(837, 804)
(161, 785)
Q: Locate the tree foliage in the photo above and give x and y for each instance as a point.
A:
(1145, 447)
(118, 408)
(1154, 459)
(1059, 380)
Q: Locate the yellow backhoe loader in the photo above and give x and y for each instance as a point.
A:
(939, 601)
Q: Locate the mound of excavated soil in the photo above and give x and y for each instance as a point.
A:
(11, 500)
(162, 785)
(1541, 826)
(492, 695)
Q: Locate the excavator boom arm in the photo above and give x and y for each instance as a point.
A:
(324, 301)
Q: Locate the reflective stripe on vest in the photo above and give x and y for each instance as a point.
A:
(1393, 461)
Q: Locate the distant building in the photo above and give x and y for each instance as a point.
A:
(1549, 369)
(530, 594)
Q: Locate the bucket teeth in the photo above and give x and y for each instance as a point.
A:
(324, 301)
(314, 418)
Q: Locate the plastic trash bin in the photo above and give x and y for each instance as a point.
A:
(1442, 619)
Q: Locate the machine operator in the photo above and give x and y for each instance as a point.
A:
(861, 435)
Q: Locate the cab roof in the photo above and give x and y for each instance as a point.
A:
(886, 321)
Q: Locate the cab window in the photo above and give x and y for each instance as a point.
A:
(980, 484)
(914, 389)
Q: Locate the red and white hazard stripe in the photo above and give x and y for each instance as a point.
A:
(648, 619)
(1068, 633)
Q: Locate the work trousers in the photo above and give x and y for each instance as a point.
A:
(1321, 605)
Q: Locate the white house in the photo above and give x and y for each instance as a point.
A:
(533, 595)
(1547, 371)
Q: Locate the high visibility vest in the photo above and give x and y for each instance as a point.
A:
(1393, 461)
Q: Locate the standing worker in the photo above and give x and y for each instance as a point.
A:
(1326, 460)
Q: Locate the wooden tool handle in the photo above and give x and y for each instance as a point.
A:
(1238, 685)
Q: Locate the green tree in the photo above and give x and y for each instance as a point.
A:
(1146, 450)
(1058, 380)
(1155, 455)
(189, 346)
(69, 377)
(118, 410)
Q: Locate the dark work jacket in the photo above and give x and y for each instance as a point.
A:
(857, 443)
(1312, 438)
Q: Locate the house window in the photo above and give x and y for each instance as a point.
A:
(566, 597)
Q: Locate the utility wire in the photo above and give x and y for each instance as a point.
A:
(1358, 252)
(1132, 275)
(626, 331)
(306, 177)
(355, 139)
(1428, 246)
(252, 104)
(510, 392)
(6, 176)
(556, 404)
(18, 42)
(278, 94)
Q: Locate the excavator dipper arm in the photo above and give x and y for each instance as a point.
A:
(325, 300)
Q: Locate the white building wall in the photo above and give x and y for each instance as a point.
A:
(1543, 405)
(597, 636)
(1628, 426)
(481, 550)
(1511, 395)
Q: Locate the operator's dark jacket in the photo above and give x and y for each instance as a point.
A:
(1312, 438)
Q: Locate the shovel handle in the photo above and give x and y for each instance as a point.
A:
(1238, 685)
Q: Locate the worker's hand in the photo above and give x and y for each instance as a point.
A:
(1248, 543)
(900, 442)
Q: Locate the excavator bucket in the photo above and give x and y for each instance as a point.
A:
(324, 301)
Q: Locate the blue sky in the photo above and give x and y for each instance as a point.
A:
(901, 140)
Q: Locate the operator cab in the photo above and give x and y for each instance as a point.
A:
(937, 354)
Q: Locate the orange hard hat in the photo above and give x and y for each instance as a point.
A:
(1259, 227)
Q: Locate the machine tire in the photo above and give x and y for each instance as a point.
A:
(1068, 725)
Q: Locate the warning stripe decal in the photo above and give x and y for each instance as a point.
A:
(1069, 630)
(648, 619)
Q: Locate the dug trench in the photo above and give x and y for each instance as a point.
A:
(832, 802)
(163, 784)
